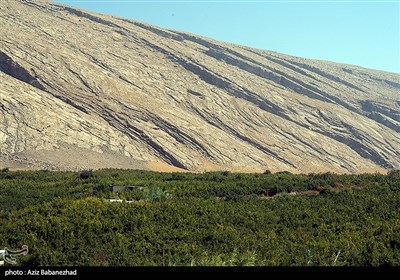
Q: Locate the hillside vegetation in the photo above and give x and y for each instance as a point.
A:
(214, 218)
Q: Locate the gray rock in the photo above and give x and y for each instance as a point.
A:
(80, 90)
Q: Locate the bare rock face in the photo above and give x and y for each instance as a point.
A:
(84, 90)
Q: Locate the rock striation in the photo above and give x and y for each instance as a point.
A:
(84, 90)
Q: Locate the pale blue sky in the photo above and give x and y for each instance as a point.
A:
(365, 33)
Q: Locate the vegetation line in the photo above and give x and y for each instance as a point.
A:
(209, 219)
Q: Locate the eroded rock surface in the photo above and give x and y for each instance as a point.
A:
(84, 90)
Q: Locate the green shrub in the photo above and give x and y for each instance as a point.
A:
(394, 173)
(155, 193)
(232, 259)
(225, 173)
(86, 174)
(5, 170)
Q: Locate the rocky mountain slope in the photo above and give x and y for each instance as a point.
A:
(84, 90)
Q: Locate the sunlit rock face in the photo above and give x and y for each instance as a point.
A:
(83, 90)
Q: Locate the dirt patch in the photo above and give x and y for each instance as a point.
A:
(70, 157)
(163, 167)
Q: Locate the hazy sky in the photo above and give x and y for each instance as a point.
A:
(365, 33)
